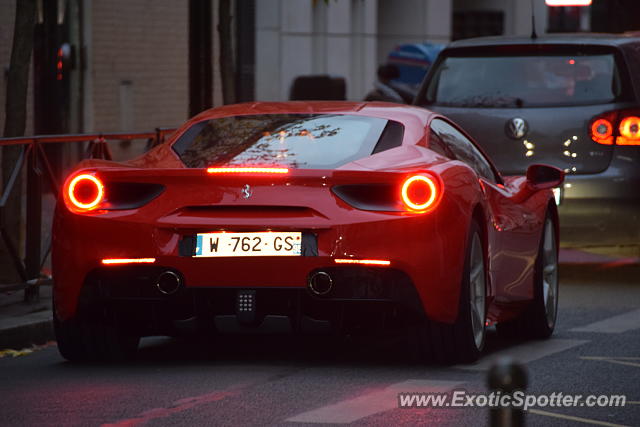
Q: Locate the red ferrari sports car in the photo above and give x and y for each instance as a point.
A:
(305, 217)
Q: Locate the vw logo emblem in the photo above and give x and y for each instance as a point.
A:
(246, 191)
(516, 128)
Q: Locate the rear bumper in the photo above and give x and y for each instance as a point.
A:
(361, 299)
(428, 255)
(603, 209)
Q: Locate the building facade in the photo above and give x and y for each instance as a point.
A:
(350, 38)
(131, 68)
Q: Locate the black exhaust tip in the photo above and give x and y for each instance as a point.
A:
(168, 282)
(320, 283)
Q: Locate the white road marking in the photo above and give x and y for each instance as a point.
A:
(614, 325)
(525, 353)
(572, 418)
(627, 361)
(351, 410)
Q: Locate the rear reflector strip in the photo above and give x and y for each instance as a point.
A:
(362, 261)
(248, 170)
(111, 261)
(568, 3)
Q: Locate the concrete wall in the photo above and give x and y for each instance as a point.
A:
(517, 13)
(412, 21)
(302, 37)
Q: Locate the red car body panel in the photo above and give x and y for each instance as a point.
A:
(429, 247)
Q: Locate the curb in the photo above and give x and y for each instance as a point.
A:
(26, 331)
(602, 273)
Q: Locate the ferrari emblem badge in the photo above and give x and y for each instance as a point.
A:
(246, 191)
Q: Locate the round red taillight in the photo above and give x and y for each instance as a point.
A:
(85, 192)
(602, 128)
(630, 127)
(419, 193)
(602, 131)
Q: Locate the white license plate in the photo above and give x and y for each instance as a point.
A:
(267, 243)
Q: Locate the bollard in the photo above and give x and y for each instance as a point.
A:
(506, 377)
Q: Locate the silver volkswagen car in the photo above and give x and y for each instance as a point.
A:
(572, 101)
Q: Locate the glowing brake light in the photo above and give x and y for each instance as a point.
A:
(602, 132)
(112, 261)
(85, 192)
(363, 261)
(419, 193)
(629, 131)
(247, 170)
(568, 2)
(621, 127)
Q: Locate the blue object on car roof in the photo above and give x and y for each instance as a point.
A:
(413, 61)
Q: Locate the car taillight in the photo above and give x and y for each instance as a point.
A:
(602, 131)
(629, 131)
(620, 127)
(84, 192)
(419, 193)
(415, 193)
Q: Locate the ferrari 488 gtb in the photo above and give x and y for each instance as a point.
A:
(305, 217)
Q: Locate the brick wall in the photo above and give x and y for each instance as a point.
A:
(139, 64)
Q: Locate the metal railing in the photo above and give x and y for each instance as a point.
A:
(35, 158)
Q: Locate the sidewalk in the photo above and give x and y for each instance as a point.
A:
(25, 324)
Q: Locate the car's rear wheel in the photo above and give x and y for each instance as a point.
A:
(87, 340)
(539, 319)
(69, 339)
(464, 340)
(107, 342)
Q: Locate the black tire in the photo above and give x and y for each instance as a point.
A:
(539, 318)
(458, 343)
(69, 339)
(84, 340)
(107, 343)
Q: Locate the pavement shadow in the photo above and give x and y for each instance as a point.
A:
(298, 351)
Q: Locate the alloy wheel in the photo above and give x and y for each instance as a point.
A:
(477, 291)
(550, 274)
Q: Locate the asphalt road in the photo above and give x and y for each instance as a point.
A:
(266, 381)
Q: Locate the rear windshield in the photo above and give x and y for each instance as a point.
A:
(524, 81)
(303, 141)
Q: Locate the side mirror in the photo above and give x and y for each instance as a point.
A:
(543, 176)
